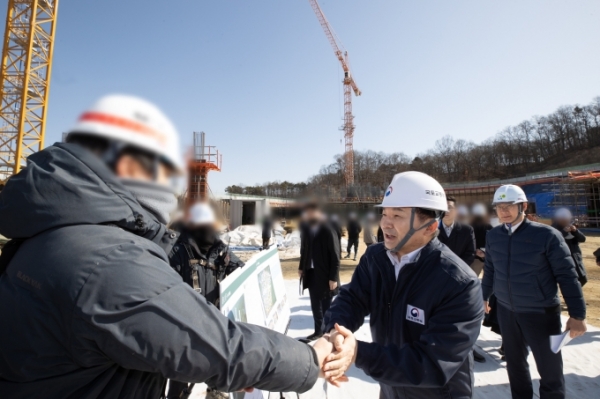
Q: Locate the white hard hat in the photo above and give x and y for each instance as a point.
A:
(563, 214)
(133, 121)
(201, 213)
(509, 194)
(415, 190)
(479, 210)
(462, 210)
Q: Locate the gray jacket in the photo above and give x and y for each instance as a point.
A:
(525, 269)
(95, 309)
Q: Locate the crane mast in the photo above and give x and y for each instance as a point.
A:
(349, 87)
(25, 80)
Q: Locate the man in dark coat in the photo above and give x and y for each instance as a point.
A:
(457, 236)
(563, 222)
(525, 263)
(422, 301)
(481, 225)
(354, 228)
(334, 221)
(95, 310)
(319, 264)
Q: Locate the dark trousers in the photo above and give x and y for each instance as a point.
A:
(352, 242)
(318, 306)
(533, 329)
(266, 242)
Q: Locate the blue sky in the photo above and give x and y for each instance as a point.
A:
(259, 77)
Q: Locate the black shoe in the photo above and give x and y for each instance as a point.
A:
(347, 256)
(355, 258)
(478, 357)
(314, 336)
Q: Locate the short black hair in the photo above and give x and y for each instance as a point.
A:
(451, 199)
(423, 214)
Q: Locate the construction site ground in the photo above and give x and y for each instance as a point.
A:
(591, 290)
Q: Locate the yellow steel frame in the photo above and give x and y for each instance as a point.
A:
(25, 80)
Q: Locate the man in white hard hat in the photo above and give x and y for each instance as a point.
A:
(202, 260)
(421, 299)
(563, 222)
(525, 262)
(95, 309)
(200, 256)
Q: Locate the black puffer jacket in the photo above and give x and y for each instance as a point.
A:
(524, 268)
(95, 309)
(203, 271)
(573, 239)
(430, 355)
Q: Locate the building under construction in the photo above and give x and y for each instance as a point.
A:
(575, 188)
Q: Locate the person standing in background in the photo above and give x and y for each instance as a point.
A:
(525, 263)
(481, 225)
(563, 222)
(267, 231)
(459, 237)
(319, 264)
(203, 261)
(334, 221)
(354, 229)
(370, 223)
(462, 214)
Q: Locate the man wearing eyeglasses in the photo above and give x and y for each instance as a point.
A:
(525, 263)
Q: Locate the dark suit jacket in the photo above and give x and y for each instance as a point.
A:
(461, 241)
(324, 250)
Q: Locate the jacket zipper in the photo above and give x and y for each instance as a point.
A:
(508, 272)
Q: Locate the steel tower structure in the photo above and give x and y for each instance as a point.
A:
(25, 80)
(349, 87)
(204, 159)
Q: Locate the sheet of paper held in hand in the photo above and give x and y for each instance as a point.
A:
(558, 341)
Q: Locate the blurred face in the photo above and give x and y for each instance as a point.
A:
(312, 215)
(508, 213)
(450, 216)
(129, 168)
(395, 224)
(563, 222)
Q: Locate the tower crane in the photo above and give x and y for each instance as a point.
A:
(25, 80)
(349, 87)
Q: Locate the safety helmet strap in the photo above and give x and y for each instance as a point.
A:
(412, 230)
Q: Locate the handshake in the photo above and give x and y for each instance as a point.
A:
(336, 352)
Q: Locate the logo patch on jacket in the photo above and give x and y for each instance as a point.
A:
(415, 314)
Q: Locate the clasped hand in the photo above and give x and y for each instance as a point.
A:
(336, 352)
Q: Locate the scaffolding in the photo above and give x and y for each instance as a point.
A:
(204, 159)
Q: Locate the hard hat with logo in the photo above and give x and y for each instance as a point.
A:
(415, 190)
(509, 194)
(563, 214)
(135, 122)
(201, 213)
(479, 210)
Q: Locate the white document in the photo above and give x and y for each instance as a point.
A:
(558, 341)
